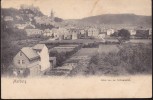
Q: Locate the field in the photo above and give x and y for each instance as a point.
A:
(107, 48)
(61, 50)
(141, 41)
(86, 52)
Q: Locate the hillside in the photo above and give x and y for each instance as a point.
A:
(22, 16)
(118, 19)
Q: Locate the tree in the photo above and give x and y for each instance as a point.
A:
(123, 35)
(115, 34)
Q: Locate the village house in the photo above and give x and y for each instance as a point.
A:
(102, 36)
(31, 60)
(43, 52)
(19, 18)
(93, 32)
(67, 36)
(142, 33)
(67, 33)
(48, 33)
(8, 18)
(132, 32)
(55, 32)
(60, 33)
(74, 36)
(75, 33)
(43, 20)
(20, 26)
(82, 31)
(23, 26)
(110, 31)
(150, 31)
(63, 30)
(31, 32)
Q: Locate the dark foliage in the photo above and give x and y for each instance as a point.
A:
(131, 59)
(142, 33)
(123, 35)
(62, 56)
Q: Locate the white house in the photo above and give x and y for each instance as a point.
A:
(150, 31)
(31, 60)
(8, 18)
(33, 32)
(93, 32)
(74, 36)
(132, 32)
(110, 31)
(43, 52)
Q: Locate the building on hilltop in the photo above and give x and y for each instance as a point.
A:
(31, 32)
(8, 18)
(52, 15)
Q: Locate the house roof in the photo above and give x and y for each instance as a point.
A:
(29, 52)
(38, 46)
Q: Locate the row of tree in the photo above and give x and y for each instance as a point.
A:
(125, 34)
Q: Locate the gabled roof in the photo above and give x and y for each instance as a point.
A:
(38, 46)
(29, 52)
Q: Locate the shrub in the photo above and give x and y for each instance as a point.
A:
(131, 59)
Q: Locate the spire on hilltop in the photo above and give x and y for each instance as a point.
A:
(52, 15)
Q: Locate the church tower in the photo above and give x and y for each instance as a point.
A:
(52, 15)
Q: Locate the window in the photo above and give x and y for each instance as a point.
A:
(18, 61)
(22, 61)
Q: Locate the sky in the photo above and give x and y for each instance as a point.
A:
(76, 9)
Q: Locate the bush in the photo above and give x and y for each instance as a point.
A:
(138, 56)
(131, 59)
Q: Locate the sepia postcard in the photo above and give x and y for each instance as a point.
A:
(76, 49)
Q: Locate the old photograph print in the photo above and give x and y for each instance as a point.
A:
(61, 43)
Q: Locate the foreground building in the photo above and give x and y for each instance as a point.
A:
(31, 60)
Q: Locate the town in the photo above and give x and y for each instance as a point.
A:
(55, 47)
